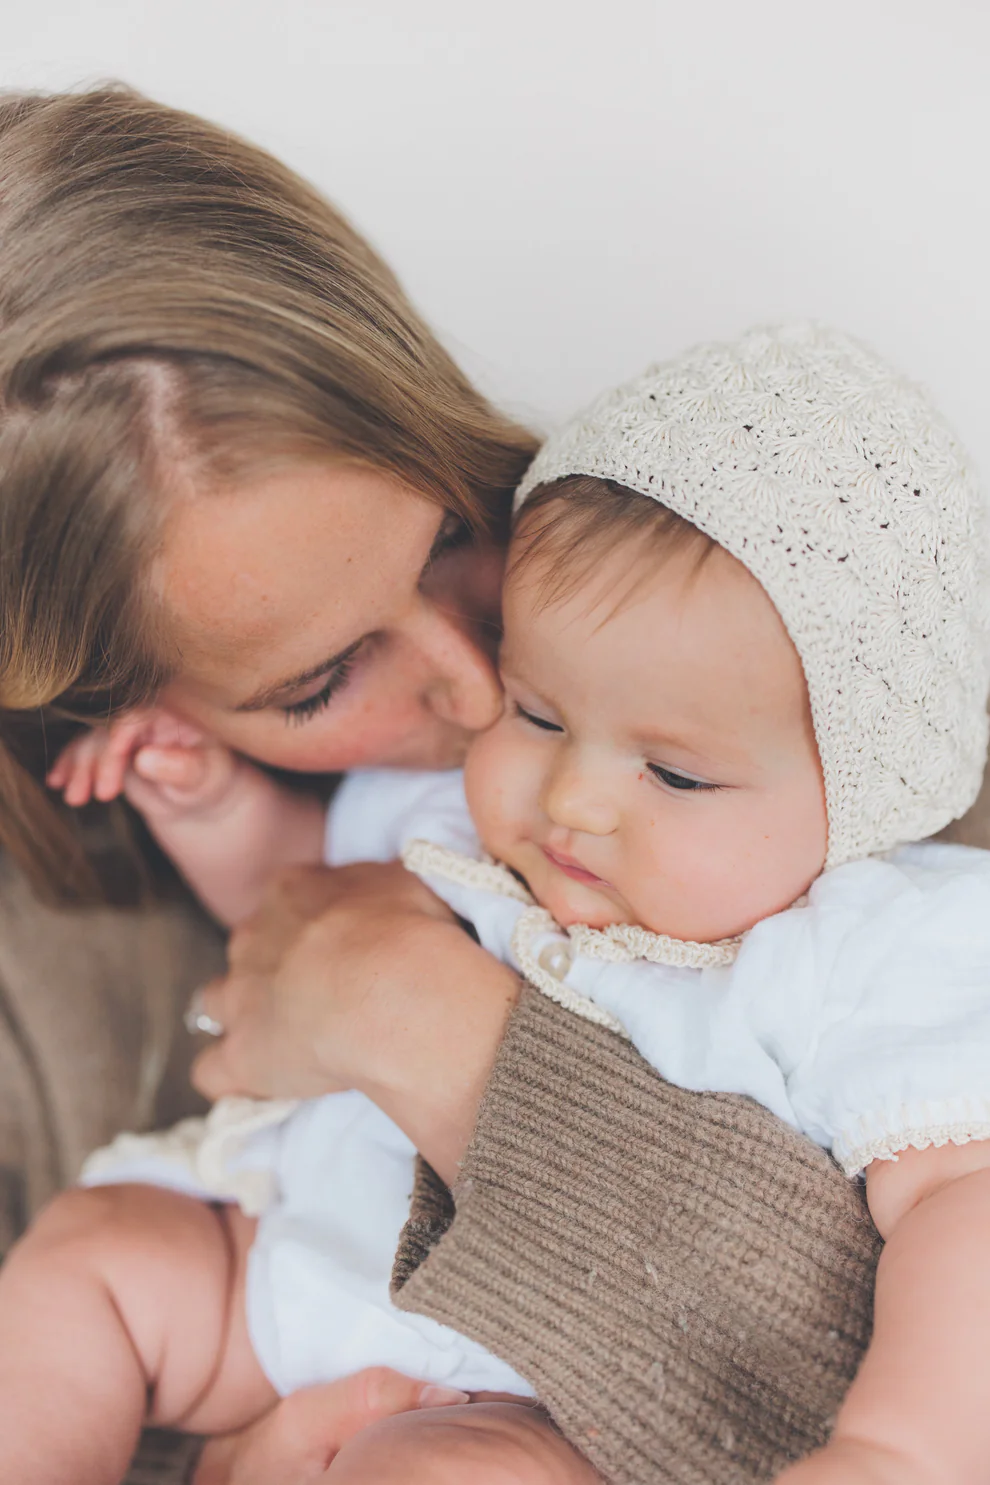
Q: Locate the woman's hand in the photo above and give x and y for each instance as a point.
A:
(360, 977)
(296, 1441)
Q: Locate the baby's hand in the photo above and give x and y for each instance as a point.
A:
(166, 767)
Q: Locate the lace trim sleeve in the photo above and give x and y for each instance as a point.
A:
(918, 1125)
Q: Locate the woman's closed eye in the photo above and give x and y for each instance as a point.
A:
(452, 534)
(680, 781)
(311, 706)
(536, 721)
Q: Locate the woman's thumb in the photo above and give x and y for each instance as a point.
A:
(296, 1441)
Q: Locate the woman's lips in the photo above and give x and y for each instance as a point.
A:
(572, 868)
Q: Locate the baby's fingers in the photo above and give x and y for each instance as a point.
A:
(58, 775)
(116, 755)
(182, 769)
(74, 771)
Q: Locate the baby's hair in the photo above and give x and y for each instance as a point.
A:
(568, 526)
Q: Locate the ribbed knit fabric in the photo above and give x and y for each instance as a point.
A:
(687, 1283)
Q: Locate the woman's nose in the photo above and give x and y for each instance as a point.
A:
(576, 797)
(462, 684)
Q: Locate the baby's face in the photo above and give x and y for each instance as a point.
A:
(655, 762)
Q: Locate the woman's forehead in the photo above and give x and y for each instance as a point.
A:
(311, 554)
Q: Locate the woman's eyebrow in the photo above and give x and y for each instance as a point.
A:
(262, 699)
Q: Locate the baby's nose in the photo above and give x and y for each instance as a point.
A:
(576, 799)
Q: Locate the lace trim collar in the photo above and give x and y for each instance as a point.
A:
(620, 943)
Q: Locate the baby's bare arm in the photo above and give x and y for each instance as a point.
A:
(917, 1413)
(231, 854)
(228, 826)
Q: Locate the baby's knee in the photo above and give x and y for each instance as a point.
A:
(84, 1214)
(478, 1444)
(72, 1223)
(111, 1229)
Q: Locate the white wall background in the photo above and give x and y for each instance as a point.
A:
(571, 188)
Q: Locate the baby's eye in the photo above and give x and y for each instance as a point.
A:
(681, 781)
(540, 722)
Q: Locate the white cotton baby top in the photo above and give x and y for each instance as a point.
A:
(860, 1017)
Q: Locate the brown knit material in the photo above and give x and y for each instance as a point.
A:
(685, 1281)
(431, 1213)
(91, 1038)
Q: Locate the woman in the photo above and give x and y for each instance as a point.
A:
(239, 475)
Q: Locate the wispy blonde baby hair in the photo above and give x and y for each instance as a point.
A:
(568, 527)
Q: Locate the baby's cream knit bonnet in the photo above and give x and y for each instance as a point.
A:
(836, 483)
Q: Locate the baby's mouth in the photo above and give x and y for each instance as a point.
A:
(572, 868)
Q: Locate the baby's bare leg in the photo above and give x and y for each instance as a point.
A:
(478, 1444)
(123, 1304)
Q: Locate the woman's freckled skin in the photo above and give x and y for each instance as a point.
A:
(421, 682)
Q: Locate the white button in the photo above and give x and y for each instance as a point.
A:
(556, 958)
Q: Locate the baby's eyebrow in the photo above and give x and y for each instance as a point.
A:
(264, 698)
(685, 742)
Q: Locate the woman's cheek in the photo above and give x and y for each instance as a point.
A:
(348, 734)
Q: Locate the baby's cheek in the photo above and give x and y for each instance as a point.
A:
(497, 784)
(484, 785)
(693, 877)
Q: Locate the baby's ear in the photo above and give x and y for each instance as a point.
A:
(974, 827)
(896, 1187)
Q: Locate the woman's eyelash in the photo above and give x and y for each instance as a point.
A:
(453, 533)
(680, 781)
(540, 722)
(303, 711)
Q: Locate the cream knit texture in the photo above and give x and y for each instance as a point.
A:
(840, 488)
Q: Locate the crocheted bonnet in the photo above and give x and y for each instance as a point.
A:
(836, 483)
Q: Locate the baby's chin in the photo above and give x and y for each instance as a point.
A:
(570, 902)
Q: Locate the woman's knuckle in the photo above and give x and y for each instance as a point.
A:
(206, 1073)
(375, 1389)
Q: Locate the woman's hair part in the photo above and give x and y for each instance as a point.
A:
(173, 301)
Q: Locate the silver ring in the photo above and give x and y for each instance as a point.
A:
(197, 1021)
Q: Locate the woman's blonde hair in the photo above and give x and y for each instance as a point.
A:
(170, 293)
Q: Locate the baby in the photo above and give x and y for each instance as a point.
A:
(746, 664)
